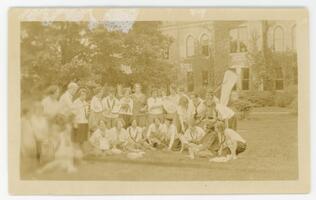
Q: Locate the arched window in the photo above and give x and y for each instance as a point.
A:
(293, 36)
(190, 46)
(278, 39)
(204, 42)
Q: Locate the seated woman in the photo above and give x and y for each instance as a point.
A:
(233, 144)
(119, 137)
(100, 140)
(155, 134)
(170, 135)
(135, 136)
(192, 135)
(208, 145)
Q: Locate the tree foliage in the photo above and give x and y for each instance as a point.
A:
(60, 52)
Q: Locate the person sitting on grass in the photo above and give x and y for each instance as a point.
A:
(192, 135)
(208, 145)
(66, 154)
(99, 142)
(136, 140)
(119, 137)
(170, 137)
(155, 134)
(232, 145)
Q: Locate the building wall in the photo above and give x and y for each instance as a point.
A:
(221, 54)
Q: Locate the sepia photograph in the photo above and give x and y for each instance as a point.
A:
(129, 99)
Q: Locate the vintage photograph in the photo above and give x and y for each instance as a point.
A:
(159, 100)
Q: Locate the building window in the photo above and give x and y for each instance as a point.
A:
(190, 81)
(204, 41)
(293, 36)
(238, 39)
(278, 39)
(279, 82)
(245, 79)
(190, 46)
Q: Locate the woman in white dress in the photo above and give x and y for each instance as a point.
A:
(96, 109)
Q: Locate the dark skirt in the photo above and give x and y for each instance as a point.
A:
(80, 134)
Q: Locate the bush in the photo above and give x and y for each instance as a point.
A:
(242, 106)
(259, 99)
(286, 97)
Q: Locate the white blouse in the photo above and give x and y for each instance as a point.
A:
(155, 105)
(96, 104)
(81, 111)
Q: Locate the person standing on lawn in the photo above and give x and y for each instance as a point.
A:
(139, 105)
(81, 110)
(155, 107)
(66, 100)
(126, 107)
(111, 107)
(50, 102)
(170, 103)
(96, 109)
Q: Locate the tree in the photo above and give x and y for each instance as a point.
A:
(60, 52)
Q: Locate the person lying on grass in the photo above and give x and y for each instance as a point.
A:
(66, 154)
(232, 144)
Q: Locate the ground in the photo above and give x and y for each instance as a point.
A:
(271, 155)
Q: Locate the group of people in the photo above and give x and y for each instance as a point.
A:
(61, 129)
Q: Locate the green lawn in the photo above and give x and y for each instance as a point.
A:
(271, 155)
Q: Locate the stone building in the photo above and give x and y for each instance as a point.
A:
(203, 50)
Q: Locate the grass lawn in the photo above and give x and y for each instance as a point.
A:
(271, 154)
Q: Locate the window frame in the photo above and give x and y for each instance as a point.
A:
(187, 46)
(238, 40)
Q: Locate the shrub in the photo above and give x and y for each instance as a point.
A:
(259, 98)
(286, 97)
(242, 106)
